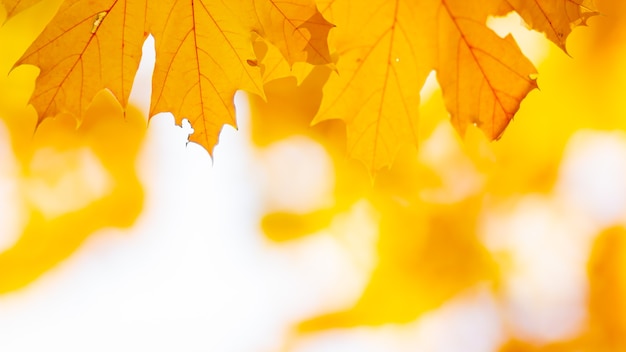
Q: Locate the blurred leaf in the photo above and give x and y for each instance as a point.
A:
(282, 225)
(114, 199)
(427, 253)
(429, 250)
(607, 279)
(606, 328)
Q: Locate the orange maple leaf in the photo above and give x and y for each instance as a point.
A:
(387, 49)
(204, 53)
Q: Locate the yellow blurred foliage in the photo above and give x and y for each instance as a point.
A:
(606, 328)
(433, 202)
(428, 249)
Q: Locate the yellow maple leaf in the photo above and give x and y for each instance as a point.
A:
(204, 53)
(75, 55)
(387, 49)
(201, 60)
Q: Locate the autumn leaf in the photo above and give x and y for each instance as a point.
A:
(201, 62)
(204, 54)
(75, 60)
(387, 49)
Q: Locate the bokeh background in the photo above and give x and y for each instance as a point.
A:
(117, 234)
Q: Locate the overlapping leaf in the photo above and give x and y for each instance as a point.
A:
(201, 62)
(295, 27)
(75, 54)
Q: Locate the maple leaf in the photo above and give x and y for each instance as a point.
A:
(387, 49)
(75, 58)
(204, 53)
(201, 62)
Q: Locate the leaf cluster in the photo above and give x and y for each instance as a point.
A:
(381, 53)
